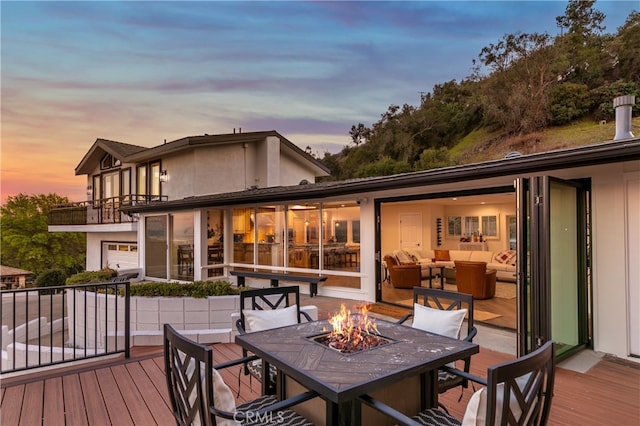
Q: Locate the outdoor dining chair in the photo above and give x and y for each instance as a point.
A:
(199, 395)
(444, 313)
(517, 392)
(266, 308)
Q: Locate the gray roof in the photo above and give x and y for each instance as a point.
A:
(603, 153)
(134, 153)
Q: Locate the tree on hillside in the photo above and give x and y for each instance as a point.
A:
(515, 96)
(26, 242)
(581, 20)
(626, 49)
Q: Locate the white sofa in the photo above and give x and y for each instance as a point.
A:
(504, 262)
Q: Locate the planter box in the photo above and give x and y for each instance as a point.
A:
(96, 313)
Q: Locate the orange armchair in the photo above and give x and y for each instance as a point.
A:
(403, 276)
(474, 278)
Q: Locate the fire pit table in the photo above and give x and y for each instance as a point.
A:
(401, 369)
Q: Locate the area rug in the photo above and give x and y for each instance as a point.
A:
(478, 315)
(503, 290)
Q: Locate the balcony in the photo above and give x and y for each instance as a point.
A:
(98, 212)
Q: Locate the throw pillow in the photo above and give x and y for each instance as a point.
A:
(404, 257)
(445, 323)
(507, 257)
(223, 398)
(442, 255)
(476, 412)
(256, 320)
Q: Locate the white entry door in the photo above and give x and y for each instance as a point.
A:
(410, 231)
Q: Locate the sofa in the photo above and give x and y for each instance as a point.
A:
(504, 262)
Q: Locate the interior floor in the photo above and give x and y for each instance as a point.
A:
(499, 311)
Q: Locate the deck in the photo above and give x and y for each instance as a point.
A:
(123, 392)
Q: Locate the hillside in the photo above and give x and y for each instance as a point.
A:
(481, 146)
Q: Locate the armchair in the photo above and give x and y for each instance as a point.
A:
(403, 276)
(517, 392)
(474, 278)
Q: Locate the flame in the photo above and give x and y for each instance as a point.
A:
(352, 329)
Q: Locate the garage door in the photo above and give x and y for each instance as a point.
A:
(120, 255)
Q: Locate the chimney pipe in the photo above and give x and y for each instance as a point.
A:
(623, 105)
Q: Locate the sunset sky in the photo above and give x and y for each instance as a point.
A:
(142, 72)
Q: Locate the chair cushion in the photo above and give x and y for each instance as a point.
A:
(448, 380)
(257, 320)
(280, 418)
(445, 323)
(476, 412)
(436, 417)
(255, 369)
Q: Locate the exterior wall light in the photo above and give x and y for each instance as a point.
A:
(164, 177)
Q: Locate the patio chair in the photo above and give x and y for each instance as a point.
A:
(403, 276)
(266, 308)
(474, 278)
(517, 392)
(199, 395)
(456, 303)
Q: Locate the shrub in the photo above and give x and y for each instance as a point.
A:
(50, 278)
(88, 277)
(197, 289)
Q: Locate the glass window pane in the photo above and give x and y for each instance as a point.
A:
(490, 226)
(182, 246)
(454, 226)
(215, 238)
(270, 228)
(243, 235)
(154, 182)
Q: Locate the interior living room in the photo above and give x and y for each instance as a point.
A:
(443, 243)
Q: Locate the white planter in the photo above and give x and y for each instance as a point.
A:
(201, 319)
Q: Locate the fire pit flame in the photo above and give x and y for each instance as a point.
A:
(352, 333)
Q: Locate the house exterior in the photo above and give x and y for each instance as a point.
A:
(571, 215)
(13, 277)
(120, 174)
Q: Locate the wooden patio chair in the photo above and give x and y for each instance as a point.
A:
(517, 392)
(266, 308)
(199, 395)
(445, 301)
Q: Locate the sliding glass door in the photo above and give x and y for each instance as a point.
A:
(553, 276)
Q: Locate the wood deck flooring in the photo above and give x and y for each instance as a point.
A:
(128, 392)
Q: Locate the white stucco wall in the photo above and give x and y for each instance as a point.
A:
(611, 325)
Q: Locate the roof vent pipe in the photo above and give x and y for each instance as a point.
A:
(623, 105)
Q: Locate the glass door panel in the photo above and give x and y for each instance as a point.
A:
(156, 246)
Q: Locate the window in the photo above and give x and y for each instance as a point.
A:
(356, 231)
(125, 181)
(108, 162)
(96, 191)
(490, 226)
(454, 226)
(458, 226)
(148, 180)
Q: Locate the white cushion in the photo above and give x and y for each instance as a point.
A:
(459, 254)
(257, 320)
(445, 323)
(481, 256)
(476, 412)
(223, 398)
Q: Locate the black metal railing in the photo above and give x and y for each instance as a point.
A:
(104, 210)
(52, 325)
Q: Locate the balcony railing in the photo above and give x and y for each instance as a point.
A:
(102, 211)
(45, 326)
